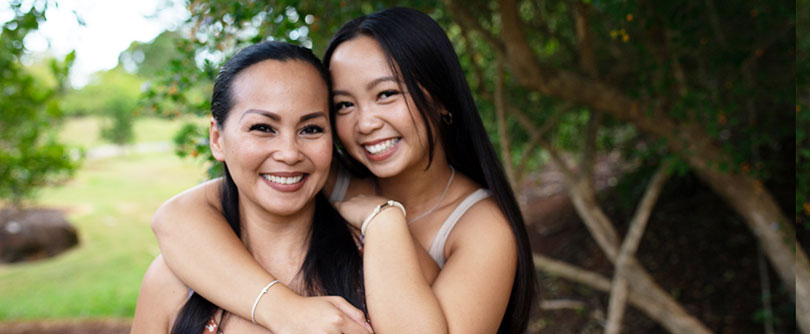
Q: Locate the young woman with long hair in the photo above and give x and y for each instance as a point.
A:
(459, 261)
(270, 128)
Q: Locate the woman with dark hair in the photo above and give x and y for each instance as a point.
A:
(409, 130)
(270, 129)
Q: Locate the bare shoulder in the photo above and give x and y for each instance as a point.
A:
(483, 227)
(195, 199)
(481, 252)
(160, 297)
(159, 278)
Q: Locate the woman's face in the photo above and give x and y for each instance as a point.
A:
(276, 140)
(376, 120)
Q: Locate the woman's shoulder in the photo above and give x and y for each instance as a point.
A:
(483, 222)
(203, 195)
(161, 296)
(160, 278)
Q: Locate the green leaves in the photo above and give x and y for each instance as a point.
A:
(30, 157)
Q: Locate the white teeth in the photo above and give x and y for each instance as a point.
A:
(283, 179)
(381, 147)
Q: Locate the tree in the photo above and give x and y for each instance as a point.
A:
(695, 87)
(680, 93)
(112, 94)
(30, 156)
(150, 59)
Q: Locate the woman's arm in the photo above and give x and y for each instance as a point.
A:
(205, 254)
(475, 284)
(469, 295)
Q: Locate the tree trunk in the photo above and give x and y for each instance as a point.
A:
(747, 196)
(759, 210)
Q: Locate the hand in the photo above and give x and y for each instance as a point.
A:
(356, 209)
(323, 314)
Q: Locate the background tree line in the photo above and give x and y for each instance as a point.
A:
(706, 89)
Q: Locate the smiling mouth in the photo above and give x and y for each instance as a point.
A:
(283, 179)
(382, 147)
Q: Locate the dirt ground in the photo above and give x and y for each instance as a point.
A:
(72, 326)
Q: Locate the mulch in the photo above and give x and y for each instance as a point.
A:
(68, 326)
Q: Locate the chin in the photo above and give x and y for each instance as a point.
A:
(386, 170)
(283, 208)
(287, 206)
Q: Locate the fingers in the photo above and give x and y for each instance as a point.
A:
(353, 313)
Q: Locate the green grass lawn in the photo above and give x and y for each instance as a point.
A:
(85, 131)
(110, 201)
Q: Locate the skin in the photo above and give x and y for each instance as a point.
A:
(470, 293)
(277, 127)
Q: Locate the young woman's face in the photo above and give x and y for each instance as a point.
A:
(376, 120)
(276, 140)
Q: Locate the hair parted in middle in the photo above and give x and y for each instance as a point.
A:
(422, 59)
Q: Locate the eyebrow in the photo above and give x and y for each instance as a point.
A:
(312, 115)
(277, 118)
(370, 85)
(266, 113)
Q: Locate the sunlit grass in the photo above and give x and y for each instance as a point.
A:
(110, 201)
(86, 131)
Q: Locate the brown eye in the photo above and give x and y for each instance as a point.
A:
(341, 105)
(386, 94)
(262, 128)
(311, 130)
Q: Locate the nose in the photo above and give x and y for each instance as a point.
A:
(287, 150)
(368, 121)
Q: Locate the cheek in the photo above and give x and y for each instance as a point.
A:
(344, 125)
(412, 122)
(320, 153)
(247, 153)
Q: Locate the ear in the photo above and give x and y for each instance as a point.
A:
(215, 140)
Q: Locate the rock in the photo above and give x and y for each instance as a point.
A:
(34, 234)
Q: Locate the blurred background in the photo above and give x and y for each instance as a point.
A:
(684, 123)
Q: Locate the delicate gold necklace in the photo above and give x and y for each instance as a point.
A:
(446, 188)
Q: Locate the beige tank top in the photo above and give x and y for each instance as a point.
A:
(436, 250)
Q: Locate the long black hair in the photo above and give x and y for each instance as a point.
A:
(422, 57)
(333, 265)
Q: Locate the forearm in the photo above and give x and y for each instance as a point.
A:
(211, 260)
(399, 298)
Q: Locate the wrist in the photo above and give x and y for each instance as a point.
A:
(270, 312)
(381, 208)
(387, 218)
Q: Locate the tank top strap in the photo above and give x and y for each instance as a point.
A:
(437, 246)
(342, 181)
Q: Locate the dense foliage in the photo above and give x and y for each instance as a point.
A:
(30, 156)
(723, 67)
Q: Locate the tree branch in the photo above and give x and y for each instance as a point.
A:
(562, 304)
(534, 141)
(587, 59)
(589, 150)
(506, 149)
(619, 289)
(476, 69)
(646, 298)
(468, 20)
